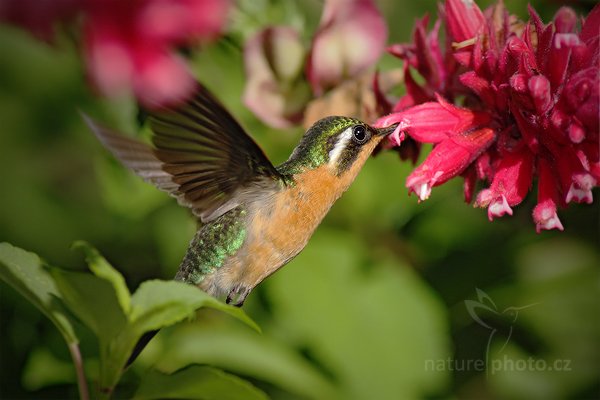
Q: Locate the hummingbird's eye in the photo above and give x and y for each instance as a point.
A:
(359, 134)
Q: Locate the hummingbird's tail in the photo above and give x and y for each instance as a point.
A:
(140, 345)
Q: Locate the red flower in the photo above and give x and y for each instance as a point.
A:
(530, 95)
(129, 44)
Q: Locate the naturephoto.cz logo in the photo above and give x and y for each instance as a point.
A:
(504, 364)
(480, 310)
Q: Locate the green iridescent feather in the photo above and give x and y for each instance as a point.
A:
(313, 150)
(212, 244)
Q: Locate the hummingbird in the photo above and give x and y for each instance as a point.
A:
(254, 217)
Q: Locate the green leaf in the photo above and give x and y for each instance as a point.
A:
(244, 353)
(370, 321)
(102, 269)
(93, 301)
(157, 304)
(197, 382)
(23, 271)
(44, 369)
(103, 303)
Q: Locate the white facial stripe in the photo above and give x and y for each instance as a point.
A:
(340, 145)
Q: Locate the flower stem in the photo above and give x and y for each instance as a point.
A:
(78, 362)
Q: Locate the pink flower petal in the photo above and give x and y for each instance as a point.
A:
(520, 91)
(499, 207)
(589, 30)
(559, 121)
(464, 19)
(163, 20)
(589, 156)
(483, 167)
(496, 203)
(582, 97)
(510, 184)
(581, 189)
(161, 79)
(110, 65)
(522, 55)
(448, 159)
(427, 122)
(565, 20)
(544, 35)
(463, 58)
(274, 59)
(576, 132)
(350, 39)
(544, 213)
(172, 21)
(429, 60)
(434, 122)
(545, 217)
(539, 88)
(480, 86)
(129, 45)
(470, 176)
(528, 128)
(397, 136)
(206, 18)
(559, 57)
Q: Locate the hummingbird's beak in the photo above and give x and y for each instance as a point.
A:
(386, 131)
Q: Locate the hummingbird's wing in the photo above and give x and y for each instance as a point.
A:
(202, 157)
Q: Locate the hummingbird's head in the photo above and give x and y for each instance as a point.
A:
(339, 143)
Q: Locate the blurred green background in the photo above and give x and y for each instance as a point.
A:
(374, 308)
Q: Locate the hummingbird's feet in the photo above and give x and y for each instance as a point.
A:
(238, 295)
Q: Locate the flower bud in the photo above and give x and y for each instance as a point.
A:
(350, 38)
(275, 92)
